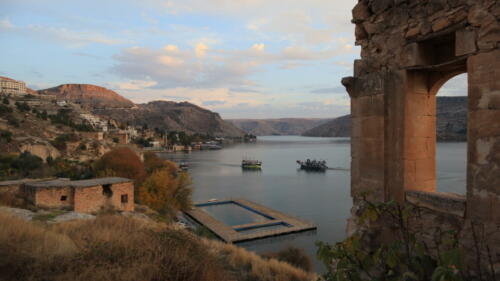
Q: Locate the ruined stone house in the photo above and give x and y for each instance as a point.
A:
(409, 49)
(85, 196)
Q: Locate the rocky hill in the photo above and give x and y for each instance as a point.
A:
(89, 96)
(284, 126)
(451, 122)
(338, 127)
(164, 115)
(173, 116)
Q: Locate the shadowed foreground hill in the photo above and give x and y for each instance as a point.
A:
(114, 247)
(451, 122)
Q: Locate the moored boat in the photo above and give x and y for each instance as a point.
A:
(313, 165)
(251, 164)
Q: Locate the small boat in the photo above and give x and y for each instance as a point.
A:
(313, 165)
(251, 164)
(184, 166)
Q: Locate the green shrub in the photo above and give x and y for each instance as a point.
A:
(5, 100)
(6, 135)
(4, 110)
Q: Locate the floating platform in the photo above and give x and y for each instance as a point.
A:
(265, 222)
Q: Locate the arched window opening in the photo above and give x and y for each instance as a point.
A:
(451, 136)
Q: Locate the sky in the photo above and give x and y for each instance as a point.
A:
(241, 58)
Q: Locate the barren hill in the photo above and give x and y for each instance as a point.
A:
(89, 96)
(451, 121)
(164, 115)
(173, 116)
(284, 126)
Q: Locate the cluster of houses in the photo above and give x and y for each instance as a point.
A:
(83, 196)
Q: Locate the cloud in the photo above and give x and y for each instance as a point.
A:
(200, 50)
(334, 90)
(72, 38)
(456, 86)
(172, 67)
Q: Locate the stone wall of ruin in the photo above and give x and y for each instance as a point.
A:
(51, 197)
(92, 199)
(409, 49)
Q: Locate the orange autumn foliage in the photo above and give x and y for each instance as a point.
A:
(166, 191)
(121, 162)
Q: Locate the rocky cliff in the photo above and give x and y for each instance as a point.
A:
(451, 122)
(284, 126)
(89, 96)
(172, 116)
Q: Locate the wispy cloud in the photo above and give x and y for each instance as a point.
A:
(72, 38)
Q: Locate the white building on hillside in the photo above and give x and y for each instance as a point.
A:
(11, 86)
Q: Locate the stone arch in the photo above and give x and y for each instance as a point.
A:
(393, 97)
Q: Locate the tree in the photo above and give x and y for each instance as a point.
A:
(5, 100)
(121, 162)
(166, 192)
(152, 162)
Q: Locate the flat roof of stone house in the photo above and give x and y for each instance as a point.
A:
(19, 182)
(78, 183)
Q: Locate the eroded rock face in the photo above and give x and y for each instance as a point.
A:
(89, 96)
(40, 149)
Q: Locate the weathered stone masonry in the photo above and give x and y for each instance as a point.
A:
(409, 49)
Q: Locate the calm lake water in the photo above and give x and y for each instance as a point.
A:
(323, 198)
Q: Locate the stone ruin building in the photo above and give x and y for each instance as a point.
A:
(409, 49)
(84, 196)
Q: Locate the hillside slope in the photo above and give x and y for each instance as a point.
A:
(172, 116)
(284, 126)
(164, 115)
(89, 96)
(451, 122)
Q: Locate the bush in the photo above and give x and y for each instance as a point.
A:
(6, 135)
(294, 256)
(4, 110)
(60, 141)
(166, 192)
(121, 162)
(27, 162)
(23, 107)
(152, 162)
(11, 120)
(5, 100)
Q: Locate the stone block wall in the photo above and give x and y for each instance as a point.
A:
(93, 199)
(60, 197)
(409, 49)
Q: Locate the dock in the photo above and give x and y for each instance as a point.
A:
(275, 223)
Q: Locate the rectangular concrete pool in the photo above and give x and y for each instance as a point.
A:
(240, 220)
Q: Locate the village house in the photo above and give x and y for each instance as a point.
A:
(84, 196)
(120, 137)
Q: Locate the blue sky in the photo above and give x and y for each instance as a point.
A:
(241, 58)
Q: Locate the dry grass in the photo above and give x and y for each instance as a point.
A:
(119, 248)
(251, 266)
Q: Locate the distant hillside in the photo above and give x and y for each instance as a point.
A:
(338, 127)
(89, 96)
(172, 116)
(451, 122)
(164, 115)
(284, 126)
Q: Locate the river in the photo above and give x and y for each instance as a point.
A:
(323, 198)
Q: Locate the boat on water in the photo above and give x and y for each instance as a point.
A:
(183, 166)
(313, 165)
(251, 164)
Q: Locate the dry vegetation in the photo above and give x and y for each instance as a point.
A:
(114, 247)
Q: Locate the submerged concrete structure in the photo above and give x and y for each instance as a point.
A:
(409, 49)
